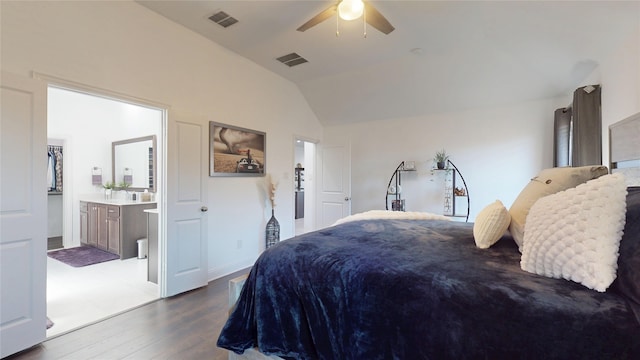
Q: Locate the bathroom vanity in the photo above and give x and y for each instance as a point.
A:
(114, 225)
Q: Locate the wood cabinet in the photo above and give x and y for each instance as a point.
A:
(114, 228)
(102, 226)
(84, 222)
(92, 224)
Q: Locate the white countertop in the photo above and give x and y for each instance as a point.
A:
(118, 202)
(151, 211)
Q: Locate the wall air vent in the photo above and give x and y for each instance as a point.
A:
(292, 59)
(223, 19)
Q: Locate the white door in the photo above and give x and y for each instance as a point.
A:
(334, 200)
(185, 247)
(23, 213)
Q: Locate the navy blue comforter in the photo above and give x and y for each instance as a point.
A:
(419, 289)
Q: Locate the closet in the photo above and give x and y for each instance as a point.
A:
(54, 190)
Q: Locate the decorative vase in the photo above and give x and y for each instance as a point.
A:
(440, 165)
(273, 231)
(107, 194)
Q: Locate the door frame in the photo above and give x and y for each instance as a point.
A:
(310, 211)
(53, 81)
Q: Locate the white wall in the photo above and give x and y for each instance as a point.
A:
(88, 125)
(619, 76)
(125, 48)
(497, 151)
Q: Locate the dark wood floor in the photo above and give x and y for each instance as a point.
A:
(185, 326)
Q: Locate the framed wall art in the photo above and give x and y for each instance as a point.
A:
(236, 151)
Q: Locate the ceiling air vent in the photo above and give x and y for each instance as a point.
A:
(223, 19)
(292, 59)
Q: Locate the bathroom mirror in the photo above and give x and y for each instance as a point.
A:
(134, 162)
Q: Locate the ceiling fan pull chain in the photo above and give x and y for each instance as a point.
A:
(364, 21)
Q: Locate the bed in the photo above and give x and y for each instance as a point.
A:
(426, 288)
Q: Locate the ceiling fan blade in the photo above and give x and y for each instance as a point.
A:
(329, 12)
(377, 20)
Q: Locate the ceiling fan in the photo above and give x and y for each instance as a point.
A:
(351, 10)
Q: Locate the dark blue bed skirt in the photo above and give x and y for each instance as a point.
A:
(419, 289)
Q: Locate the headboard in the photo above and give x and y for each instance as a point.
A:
(624, 148)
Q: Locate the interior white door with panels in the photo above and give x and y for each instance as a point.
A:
(184, 248)
(23, 213)
(334, 200)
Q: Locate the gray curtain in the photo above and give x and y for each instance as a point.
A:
(586, 146)
(562, 137)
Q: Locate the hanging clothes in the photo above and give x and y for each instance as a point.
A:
(54, 168)
(58, 169)
(50, 169)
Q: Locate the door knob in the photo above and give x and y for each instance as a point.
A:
(346, 198)
(204, 209)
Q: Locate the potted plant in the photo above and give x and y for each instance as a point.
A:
(441, 159)
(108, 188)
(123, 185)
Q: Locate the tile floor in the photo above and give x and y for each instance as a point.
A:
(84, 295)
(80, 296)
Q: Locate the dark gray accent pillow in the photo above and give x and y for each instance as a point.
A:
(628, 280)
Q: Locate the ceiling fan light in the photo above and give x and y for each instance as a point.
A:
(350, 9)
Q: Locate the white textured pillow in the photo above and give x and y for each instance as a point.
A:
(547, 182)
(490, 224)
(575, 234)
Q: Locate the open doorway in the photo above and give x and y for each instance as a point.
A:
(85, 126)
(304, 186)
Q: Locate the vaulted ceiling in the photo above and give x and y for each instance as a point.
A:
(443, 56)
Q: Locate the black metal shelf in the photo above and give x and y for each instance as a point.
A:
(453, 189)
(397, 204)
(299, 178)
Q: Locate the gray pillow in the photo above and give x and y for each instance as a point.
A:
(628, 280)
(547, 182)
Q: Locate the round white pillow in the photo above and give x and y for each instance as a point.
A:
(490, 224)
